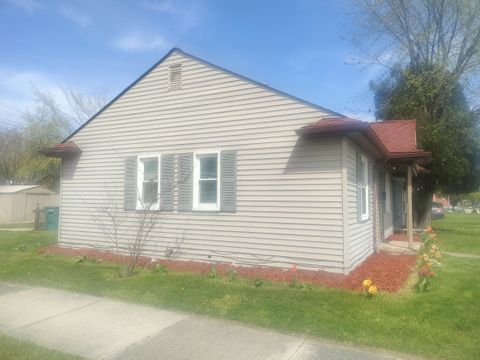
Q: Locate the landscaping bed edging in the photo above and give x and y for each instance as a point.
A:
(389, 272)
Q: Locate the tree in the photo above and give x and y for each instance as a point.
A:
(12, 146)
(46, 124)
(446, 126)
(432, 48)
(445, 33)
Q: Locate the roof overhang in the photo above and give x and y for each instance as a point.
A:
(332, 126)
(347, 126)
(65, 149)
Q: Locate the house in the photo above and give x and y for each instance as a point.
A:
(240, 172)
(442, 199)
(17, 202)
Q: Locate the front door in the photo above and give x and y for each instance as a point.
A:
(382, 196)
(398, 197)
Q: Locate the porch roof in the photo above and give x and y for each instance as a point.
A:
(60, 150)
(395, 139)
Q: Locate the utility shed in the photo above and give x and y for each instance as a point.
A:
(17, 202)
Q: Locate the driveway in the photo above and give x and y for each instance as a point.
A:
(98, 328)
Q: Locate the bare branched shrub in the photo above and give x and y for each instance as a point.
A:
(127, 232)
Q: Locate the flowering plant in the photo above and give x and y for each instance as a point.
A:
(427, 260)
(370, 289)
(294, 281)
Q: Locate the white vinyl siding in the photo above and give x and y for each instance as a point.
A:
(360, 233)
(288, 190)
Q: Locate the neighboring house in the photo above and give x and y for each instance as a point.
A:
(444, 200)
(17, 202)
(246, 173)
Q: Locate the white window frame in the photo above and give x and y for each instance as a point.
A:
(196, 178)
(154, 206)
(364, 185)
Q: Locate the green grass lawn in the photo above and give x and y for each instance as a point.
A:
(459, 232)
(444, 323)
(11, 348)
(17, 225)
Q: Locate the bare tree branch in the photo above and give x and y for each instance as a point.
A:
(431, 32)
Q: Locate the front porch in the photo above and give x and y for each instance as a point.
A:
(397, 243)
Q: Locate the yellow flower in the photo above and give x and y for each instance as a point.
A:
(372, 290)
(367, 282)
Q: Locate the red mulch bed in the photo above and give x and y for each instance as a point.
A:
(387, 271)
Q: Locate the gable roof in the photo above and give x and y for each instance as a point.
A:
(395, 139)
(193, 57)
(399, 136)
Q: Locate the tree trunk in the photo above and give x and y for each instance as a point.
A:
(422, 205)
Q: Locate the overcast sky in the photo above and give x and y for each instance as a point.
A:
(101, 46)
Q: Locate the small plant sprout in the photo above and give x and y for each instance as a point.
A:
(212, 274)
(231, 274)
(258, 282)
(293, 280)
(304, 286)
(21, 247)
(159, 268)
(81, 259)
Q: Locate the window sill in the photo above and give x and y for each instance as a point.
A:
(155, 207)
(200, 209)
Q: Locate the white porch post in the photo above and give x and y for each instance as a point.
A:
(409, 207)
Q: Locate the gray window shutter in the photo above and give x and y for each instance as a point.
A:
(130, 186)
(166, 182)
(359, 191)
(228, 180)
(185, 182)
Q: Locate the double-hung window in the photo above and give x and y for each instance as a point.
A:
(363, 187)
(206, 186)
(148, 183)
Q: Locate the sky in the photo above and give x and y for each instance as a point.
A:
(99, 47)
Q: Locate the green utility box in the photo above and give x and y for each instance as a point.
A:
(51, 217)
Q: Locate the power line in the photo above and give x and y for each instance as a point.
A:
(9, 125)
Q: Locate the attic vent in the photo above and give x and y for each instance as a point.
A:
(176, 76)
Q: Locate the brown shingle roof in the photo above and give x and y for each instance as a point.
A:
(395, 138)
(59, 150)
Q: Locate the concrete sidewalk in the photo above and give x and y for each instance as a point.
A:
(99, 328)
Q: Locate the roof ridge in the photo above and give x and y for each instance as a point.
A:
(393, 120)
(178, 50)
